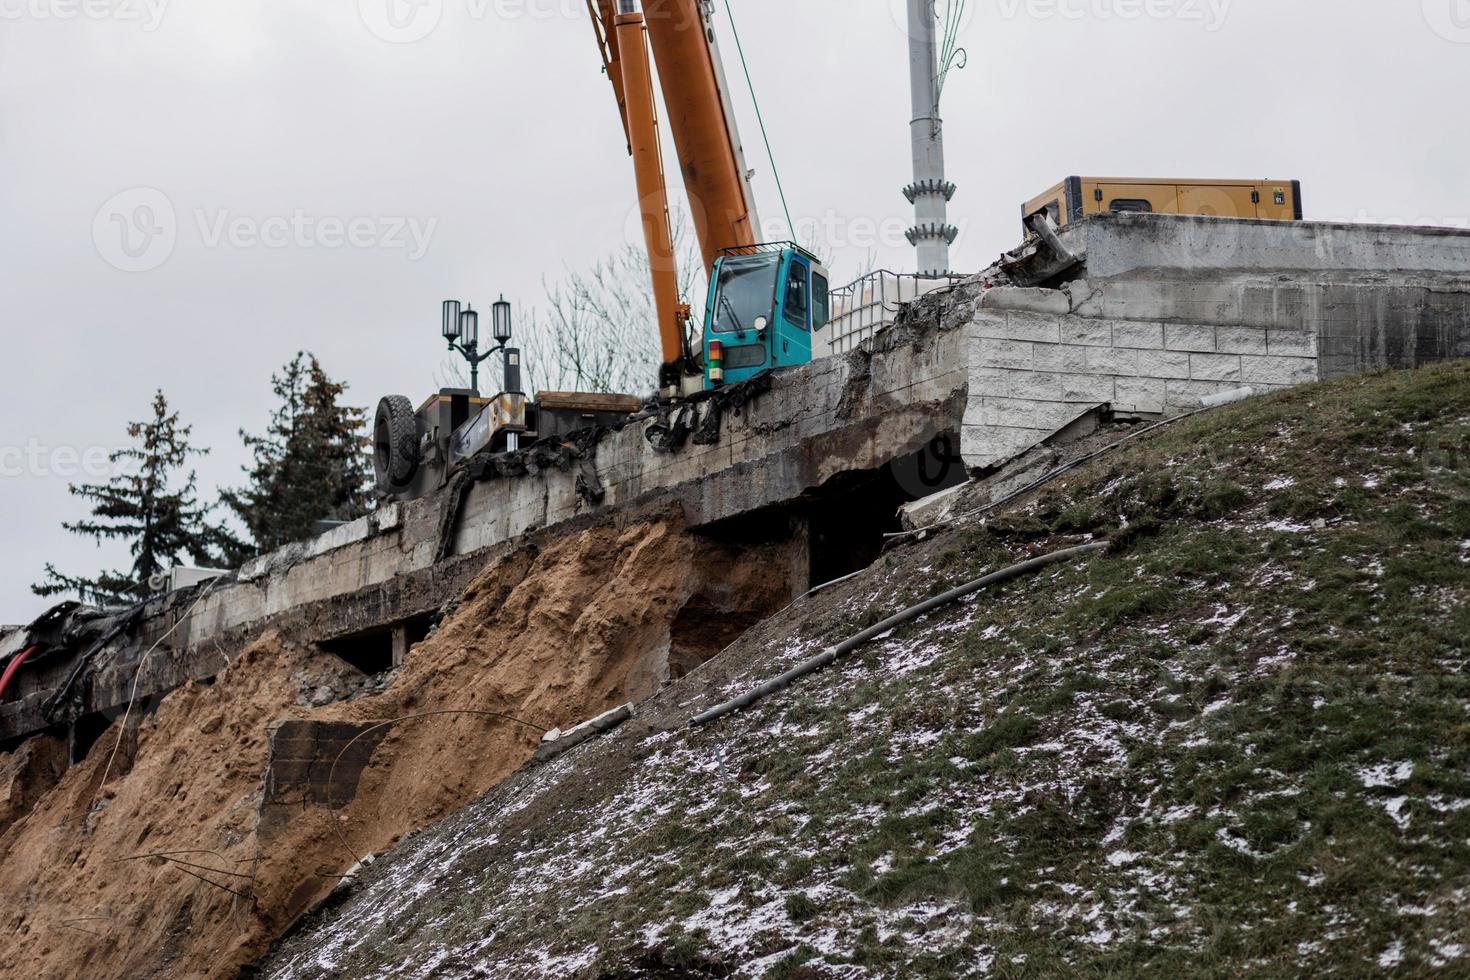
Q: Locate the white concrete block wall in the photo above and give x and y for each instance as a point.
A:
(1039, 359)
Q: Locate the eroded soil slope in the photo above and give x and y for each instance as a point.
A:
(550, 636)
(1236, 744)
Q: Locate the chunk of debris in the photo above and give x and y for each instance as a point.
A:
(557, 742)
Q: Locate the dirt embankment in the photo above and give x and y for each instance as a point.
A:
(551, 637)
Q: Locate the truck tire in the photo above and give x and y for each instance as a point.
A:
(395, 444)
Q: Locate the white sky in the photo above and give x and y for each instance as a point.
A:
(498, 133)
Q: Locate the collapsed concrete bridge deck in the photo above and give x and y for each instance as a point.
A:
(1155, 313)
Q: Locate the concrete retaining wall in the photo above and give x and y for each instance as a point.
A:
(1117, 244)
(1041, 358)
(1172, 309)
(851, 414)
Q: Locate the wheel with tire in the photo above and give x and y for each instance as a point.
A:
(395, 444)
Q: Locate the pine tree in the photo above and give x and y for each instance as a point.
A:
(138, 505)
(309, 466)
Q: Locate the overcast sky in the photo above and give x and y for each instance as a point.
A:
(191, 192)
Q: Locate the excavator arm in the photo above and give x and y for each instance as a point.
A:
(706, 142)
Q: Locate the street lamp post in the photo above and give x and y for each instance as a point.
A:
(461, 328)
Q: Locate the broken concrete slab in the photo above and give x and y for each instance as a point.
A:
(932, 509)
(557, 742)
(313, 763)
(1026, 299)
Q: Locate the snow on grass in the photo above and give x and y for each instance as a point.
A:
(1445, 952)
(1392, 956)
(1113, 761)
(1395, 809)
(1386, 774)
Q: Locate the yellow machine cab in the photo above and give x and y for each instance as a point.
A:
(1077, 197)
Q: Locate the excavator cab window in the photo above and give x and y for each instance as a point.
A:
(797, 306)
(821, 301)
(745, 288)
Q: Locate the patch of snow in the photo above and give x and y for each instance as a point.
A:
(1224, 618)
(1393, 956)
(1281, 483)
(1388, 774)
(1236, 843)
(1119, 858)
(1443, 804)
(1395, 808)
(1444, 952)
(909, 658)
(1285, 527)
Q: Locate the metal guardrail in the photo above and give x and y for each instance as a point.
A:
(862, 308)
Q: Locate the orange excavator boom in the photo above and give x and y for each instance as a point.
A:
(706, 141)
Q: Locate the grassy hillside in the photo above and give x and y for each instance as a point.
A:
(1238, 743)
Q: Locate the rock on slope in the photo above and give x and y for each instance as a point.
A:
(1236, 743)
(552, 636)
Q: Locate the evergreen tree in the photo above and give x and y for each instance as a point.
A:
(309, 466)
(138, 505)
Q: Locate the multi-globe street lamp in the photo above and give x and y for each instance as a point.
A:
(461, 328)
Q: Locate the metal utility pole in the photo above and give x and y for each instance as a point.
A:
(930, 193)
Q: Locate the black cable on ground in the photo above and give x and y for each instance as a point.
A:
(832, 654)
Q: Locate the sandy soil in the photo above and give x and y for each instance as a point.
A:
(549, 636)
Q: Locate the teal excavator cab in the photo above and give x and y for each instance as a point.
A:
(764, 303)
